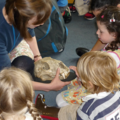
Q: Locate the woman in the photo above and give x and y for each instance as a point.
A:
(18, 19)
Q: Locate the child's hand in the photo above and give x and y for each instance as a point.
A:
(56, 83)
(75, 69)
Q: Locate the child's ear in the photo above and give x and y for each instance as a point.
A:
(91, 85)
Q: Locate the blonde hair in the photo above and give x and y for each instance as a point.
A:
(16, 93)
(100, 69)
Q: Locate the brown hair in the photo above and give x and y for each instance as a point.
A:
(21, 11)
(16, 93)
(112, 27)
(100, 69)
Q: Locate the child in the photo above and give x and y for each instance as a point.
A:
(97, 6)
(99, 45)
(97, 70)
(115, 3)
(98, 74)
(108, 22)
(16, 96)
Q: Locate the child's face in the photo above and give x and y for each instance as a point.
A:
(103, 34)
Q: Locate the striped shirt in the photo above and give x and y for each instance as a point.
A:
(102, 106)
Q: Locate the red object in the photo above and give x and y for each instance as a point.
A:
(72, 8)
(48, 117)
(89, 16)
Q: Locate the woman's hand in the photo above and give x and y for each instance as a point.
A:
(56, 83)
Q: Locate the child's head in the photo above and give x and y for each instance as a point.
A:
(98, 5)
(115, 3)
(27, 13)
(98, 72)
(16, 94)
(108, 22)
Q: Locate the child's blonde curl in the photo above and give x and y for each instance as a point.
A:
(100, 69)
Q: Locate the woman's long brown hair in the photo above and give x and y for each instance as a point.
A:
(21, 11)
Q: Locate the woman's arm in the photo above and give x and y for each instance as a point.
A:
(34, 47)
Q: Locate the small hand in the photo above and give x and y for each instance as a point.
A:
(75, 69)
(56, 83)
